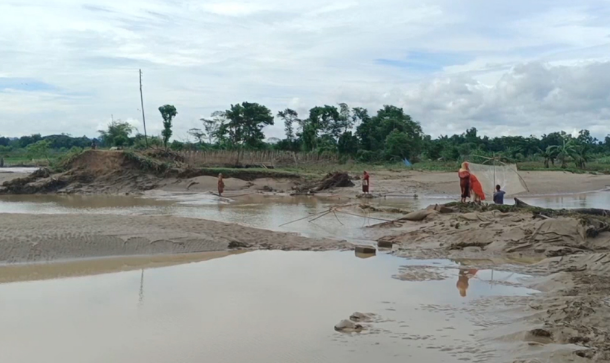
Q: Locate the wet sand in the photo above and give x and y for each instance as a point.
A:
(573, 269)
(28, 238)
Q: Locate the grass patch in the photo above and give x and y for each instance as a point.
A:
(240, 173)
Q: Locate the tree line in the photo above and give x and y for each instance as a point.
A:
(388, 135)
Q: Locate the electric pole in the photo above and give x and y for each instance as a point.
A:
(142, 105)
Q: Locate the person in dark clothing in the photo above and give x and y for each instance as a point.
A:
(499, 195)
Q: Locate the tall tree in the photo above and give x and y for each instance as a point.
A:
(346, 118)
(290, 117)
(326, 120)
(198, 134)
(245, 122)
(168, 112)
(373, 132)
(212, 125)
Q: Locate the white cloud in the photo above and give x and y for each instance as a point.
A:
(517, 67)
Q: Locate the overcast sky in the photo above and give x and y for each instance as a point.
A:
(505, 67)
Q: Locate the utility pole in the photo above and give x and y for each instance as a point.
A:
(142, 105)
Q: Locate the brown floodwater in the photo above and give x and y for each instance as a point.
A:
(267, 212)
(267, 306)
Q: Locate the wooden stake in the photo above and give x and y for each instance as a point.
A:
(142, 105)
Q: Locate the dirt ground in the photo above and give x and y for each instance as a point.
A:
(8, 176)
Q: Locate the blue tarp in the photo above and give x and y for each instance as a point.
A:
(407, 162)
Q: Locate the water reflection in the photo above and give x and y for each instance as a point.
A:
(464, 276)
(267, 306)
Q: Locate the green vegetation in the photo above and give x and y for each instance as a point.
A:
(117, 134)
(383, 140)
(168, 112)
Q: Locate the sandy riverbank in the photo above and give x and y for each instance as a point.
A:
(28, 238)
(572, 273)
(443, 183)
(117, 172)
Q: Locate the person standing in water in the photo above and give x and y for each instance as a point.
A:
(499, 195)
(221, 185)
(366, 180)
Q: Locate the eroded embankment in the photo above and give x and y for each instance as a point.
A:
(575, 267)
(121, 172)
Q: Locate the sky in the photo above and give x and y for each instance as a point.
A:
(505, 67)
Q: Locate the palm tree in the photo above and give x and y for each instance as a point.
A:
(579, 154)
(563, 151)
(549, 156)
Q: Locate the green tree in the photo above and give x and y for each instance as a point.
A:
(117, 132)
(290, 117)
(397, 146)
(347, 144)
(198, 134)
(325, 120)
(580, 155)
(310, 137)
(211, 126)
(168, 112)
(39, 149)
(244, 125)
(564, 150)
(346, 117)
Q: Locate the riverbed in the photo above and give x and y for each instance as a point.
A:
(277, 213)
(261, 306)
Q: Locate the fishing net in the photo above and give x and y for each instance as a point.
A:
(505, 175)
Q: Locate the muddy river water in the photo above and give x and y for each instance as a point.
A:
(266, 306)
(258, 307)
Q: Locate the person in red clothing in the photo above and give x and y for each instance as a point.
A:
(366, 181)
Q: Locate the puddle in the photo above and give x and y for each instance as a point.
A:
(266, 306)
(23, 170)
(571, 201)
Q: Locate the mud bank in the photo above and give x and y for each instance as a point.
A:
(127, 172)
(573, 271)
(24, 238)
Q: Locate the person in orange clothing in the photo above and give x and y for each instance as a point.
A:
(221, 185)
(477, 189)
(464, 174)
